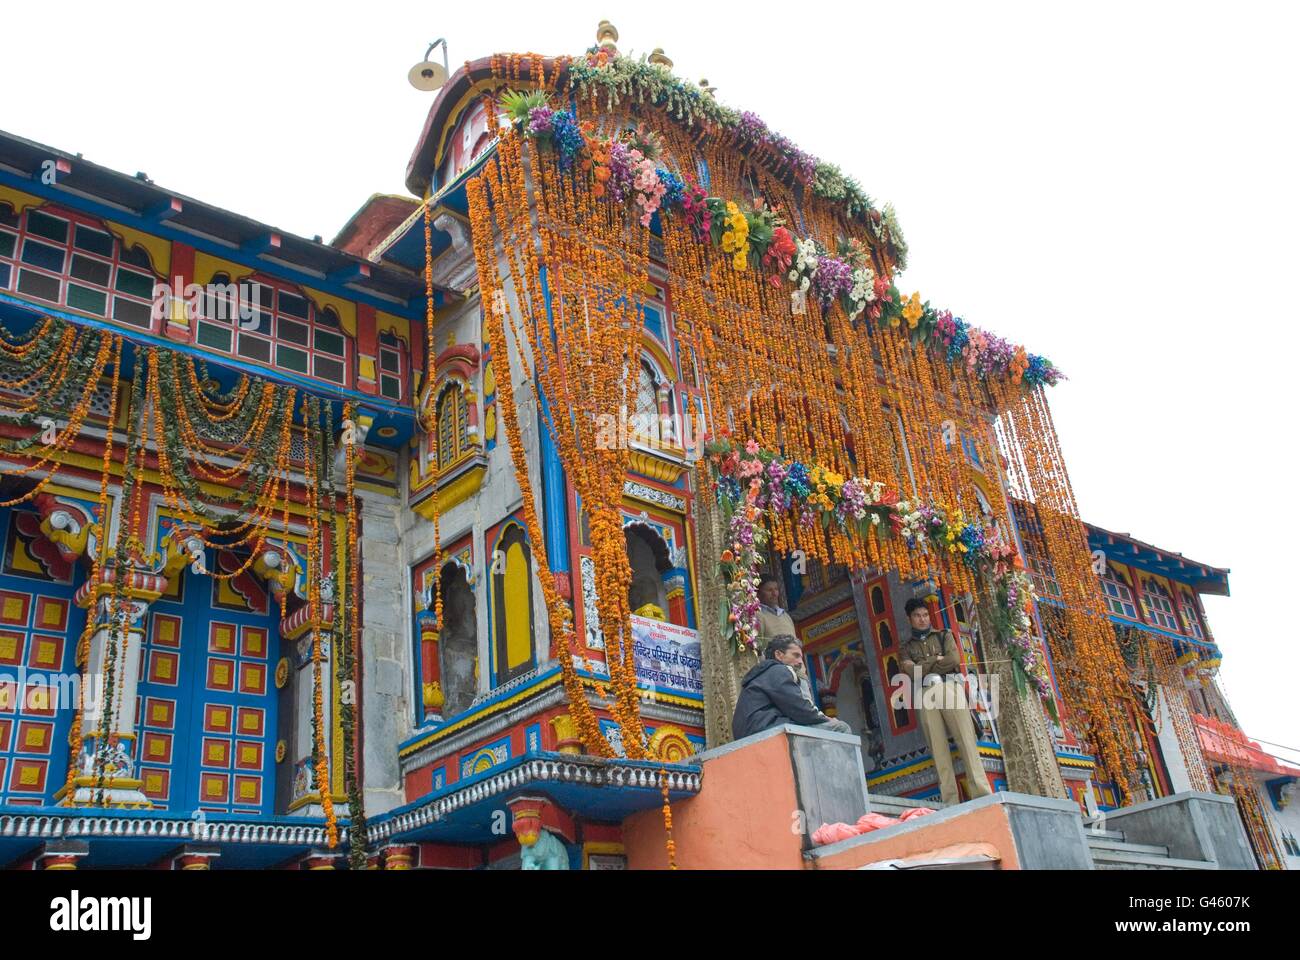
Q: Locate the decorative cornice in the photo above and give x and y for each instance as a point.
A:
(654, 496)
(47, 826)
(588, 771)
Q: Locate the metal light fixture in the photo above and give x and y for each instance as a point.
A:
(427, 75)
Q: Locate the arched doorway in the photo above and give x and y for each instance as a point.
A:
(458, 645)
(648, 555)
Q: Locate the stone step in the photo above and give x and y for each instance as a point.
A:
(893, 806)
(1127, 859)
(1102, 834)
(1121, 845)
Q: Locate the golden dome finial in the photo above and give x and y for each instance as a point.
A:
(607, 36)
(659, 57)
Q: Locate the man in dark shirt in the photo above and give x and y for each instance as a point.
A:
(940, 698)
(770, 695)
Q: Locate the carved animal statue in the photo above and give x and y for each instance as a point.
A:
(547, 853)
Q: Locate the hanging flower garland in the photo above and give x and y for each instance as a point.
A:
(751, 484)
(752, 235)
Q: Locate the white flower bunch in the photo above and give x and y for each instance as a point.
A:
(863, 290)
(805, 263)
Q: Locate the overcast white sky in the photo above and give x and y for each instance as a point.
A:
(1113, 185)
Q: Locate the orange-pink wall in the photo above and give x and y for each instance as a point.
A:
(742, 818)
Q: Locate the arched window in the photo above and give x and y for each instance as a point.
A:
(1191, 616)
(1119, 595)
(512, 601)
(70, 260)
(274, 325)
(453, 425)
(1158, 606)
(649, 383)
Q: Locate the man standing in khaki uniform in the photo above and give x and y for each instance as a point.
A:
(939, 696)
(775, 621)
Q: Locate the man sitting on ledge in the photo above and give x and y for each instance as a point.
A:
(770, 695)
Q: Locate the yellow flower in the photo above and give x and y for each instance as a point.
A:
(912, 310)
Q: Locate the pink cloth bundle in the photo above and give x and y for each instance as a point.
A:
(835, 832)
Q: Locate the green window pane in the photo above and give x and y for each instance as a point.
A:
(255, 348)
(291, 331)
(7, 241)
(43, 255)
(94, 241)
(38, 285)
(293, 305)
(210, 336)
(43, 225)
(134, 284)
(291, 359)
(390, 387)
(136, 314)
(327, 369)
(91, 301)
(329, 342)
(92, 271)
(390, 361)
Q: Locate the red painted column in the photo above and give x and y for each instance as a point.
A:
(367, 350)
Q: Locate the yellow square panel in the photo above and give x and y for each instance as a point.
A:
(157, 748)
(30, 776)
(153, 782)
(166, 631)
(35, 737)
(160, 712)
(52, 615)
(12, 610)
(247, 790)
(248, 754)
(250, 721)
(8, 647)
(216, 753)
(223, 638)
(220, 674)
(45, 651)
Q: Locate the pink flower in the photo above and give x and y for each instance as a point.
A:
(751, 447)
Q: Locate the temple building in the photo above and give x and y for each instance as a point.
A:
(439, 545)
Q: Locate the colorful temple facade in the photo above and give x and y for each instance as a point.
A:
(436, 545)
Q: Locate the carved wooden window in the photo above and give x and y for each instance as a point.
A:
(453, 425)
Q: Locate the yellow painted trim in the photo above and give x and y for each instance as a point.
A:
(207, 266)
(19, 201)
(366, 367)
(346, 309)
(455, 493)
(649, 465)
(399, 327)
(159, 250)
(599, 847)
(314, 798)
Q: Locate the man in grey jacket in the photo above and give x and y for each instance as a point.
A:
(770, 695)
